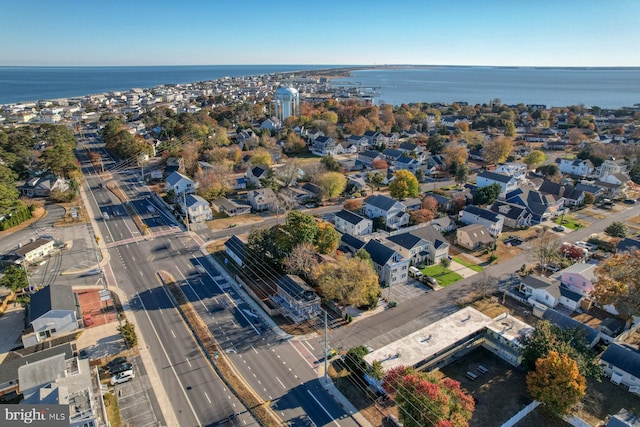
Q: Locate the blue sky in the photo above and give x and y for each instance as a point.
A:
(220, 32)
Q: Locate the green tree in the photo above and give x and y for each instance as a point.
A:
(14, 278)
(617, 229)
(376, 178)
(348, 281)
(548, 337)
(509, 128)
(445, 263)
(404, 185)
(534, 158)
(462, 174)
(128, 334)
(589, 198)
(549, 170)
(260, 157)
(487, 195)
(425, 400)
(331, 164)
(327, 238)
(557, 383)
(435, 144)
(332, 184)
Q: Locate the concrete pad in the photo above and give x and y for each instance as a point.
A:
(461, 270)
(101, 341)
(11, 325)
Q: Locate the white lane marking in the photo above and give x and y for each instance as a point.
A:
(174, 335)
(164, 350)
(323, 408)
(189, 363)
(205, 395)
(283, 386)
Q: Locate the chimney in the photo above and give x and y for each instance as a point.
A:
(562, 188)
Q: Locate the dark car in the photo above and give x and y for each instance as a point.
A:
(629, 202)
(120, 368)
(117, 361)
(430, 280)
(558, 228)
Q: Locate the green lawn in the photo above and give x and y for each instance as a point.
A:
(443, 276)
(474, 267)
(569, 223)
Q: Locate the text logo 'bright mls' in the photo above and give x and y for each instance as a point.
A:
(36, 415)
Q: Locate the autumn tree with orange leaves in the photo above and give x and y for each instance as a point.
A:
(557, 383)
(426, 400)
(618, 283)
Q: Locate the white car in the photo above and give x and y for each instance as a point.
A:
(123, 377)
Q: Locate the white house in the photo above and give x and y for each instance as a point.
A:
(351, 223)
(51, 312)
(391, 267)
(391, 210)
(576, 167)
(621, 364)
(541, 289)
(517, 170)
(35, 250)
(507, 183)
(198, 209)
(262, 199)
(475, 215)
(179, 183)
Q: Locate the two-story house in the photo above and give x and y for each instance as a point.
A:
(577, 167)
(180, 184)
(494, 222)
(621, 363)
(366, 158)
(51, 311)
(517, 170)
(262, 199)
(297, 299)
(391, 267)
(515, 216)
(569, 193)
(198, 208)
(391, 210)
(422, 245)
(406, 163)
(359, 141)
(351, 223)
(474, 237)
(611, 166)
(325, 146)
(257, 173)
(579, 277)
(375, 138)
(542, 206)
(507, 183)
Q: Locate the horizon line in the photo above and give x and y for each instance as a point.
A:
(320, 65)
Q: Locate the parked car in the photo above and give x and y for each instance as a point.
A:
(430, 280)
(120, 368)
(629, 202)
(116, 361)
(559, 228)
(123, 377)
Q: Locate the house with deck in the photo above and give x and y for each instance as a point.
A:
(391, 267)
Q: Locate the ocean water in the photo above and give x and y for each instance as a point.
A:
(19, 84)
(602, 87)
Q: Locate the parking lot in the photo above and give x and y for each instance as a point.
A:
(406, 291)
(134, 399)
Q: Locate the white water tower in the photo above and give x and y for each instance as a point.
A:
(287, 102)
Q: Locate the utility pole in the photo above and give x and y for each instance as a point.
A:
(186, 212)
(326, 350)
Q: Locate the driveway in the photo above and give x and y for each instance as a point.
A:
(461, 269)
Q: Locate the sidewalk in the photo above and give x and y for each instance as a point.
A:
(328, 385)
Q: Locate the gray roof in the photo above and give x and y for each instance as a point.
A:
(382, 202)
(296, 288)
(9, 367)
(406, 240)
(431, 234)
(587, 188)
(370, 153)
(192, 200)
(514, 212)
(176, 177)
(352, 241)
(537, 282)
(623, 418)
(569, 294)
(628, 245)
(623, 357)
(482, 213)
(52, 297)
(565, 322)
(41, 372)
(392, 152)
(238, 247)
(495, 176)
(380, 254)
(350, 217)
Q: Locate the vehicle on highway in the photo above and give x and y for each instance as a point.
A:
(120, 368)
(123, 377)
(559, 228)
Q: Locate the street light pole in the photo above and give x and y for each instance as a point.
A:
(326, 350)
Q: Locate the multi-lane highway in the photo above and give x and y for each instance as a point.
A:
(282, 372)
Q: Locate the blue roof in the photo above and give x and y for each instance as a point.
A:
(382, 202)
(482, 213)
(380, 254)
(623, 357)
(565, 322)
(392, 152)
(352, 241)
(350, 217)
(495, 176)
(406, 240)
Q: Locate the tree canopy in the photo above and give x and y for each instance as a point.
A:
(332, 184)
(426, 400)
(617, 229)
(14, 278)
(557, 383)
(497, 150)
(404, 185)
(487, 195)
(618, 283)
(534, 158)
(349, 281)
